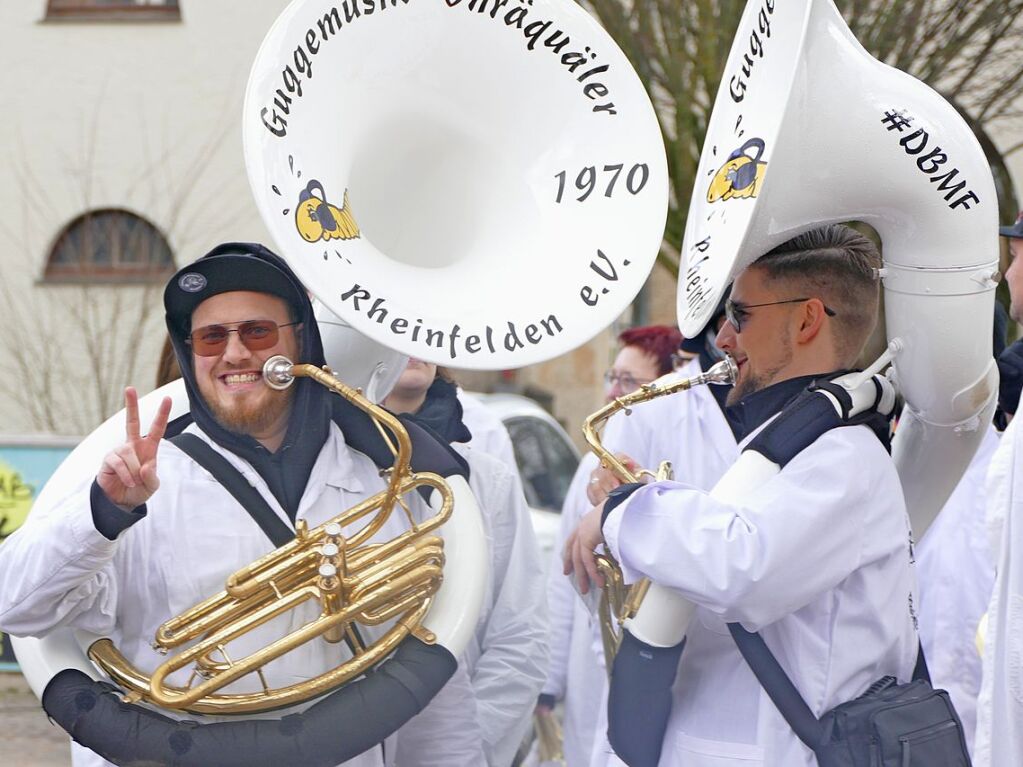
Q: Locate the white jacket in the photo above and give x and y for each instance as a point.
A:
(57, 570)
(489, 434)
(818, 562)
(576, 672)
(999, 740)
(507, 657)
(956, 571)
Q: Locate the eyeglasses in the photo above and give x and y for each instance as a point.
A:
(211, 340)
(625, 381)
(735, 312)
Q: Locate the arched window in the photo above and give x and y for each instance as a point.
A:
(109, 246)
(113, 10)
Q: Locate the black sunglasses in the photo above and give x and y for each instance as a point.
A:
(735, 312)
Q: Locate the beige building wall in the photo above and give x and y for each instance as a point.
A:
(145, 116)
(139, 116)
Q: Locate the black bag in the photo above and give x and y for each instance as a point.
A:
(890, 725)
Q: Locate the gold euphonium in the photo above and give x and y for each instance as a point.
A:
(620, 601)
(352, 582)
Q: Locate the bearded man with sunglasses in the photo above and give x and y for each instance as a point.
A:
(155, 533)
(818, 560)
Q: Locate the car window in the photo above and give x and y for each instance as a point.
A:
(546, 461)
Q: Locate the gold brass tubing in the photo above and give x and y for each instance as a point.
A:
(243, 667)
(359, 559)
(219, 610)
(379, 416)
(399, 570)
(610, 605)
(296, 553)
(204, 618)
(593, 424)
(275, 649)
(255, 575)
(402, 598)
(423, 549)
(332, 606)
(389, 610)
(125, 675)
(404, 594)
(162, 695)
(378, 413)
(424, 579)
(634, 598)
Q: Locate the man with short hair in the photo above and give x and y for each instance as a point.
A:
(154, 533)
(1014, 273)
(432, 395)
(817, 560)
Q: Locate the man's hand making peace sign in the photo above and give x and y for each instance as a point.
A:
(128, 474)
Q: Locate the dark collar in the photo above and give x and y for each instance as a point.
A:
(757, 408)
(442, 412)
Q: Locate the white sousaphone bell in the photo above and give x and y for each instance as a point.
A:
(504, 171)
(478, 184)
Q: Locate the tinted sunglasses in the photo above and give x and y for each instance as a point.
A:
(211, 340)
(736, 312)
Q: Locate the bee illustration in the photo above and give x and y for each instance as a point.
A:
(316, 219)
(741, 175)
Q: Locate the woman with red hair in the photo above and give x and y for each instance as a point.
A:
(646, 353)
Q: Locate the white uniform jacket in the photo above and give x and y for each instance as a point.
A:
(999, 740)
(956, 571)
(57, 570)
(576, 672)
(818, 561)
(489, 434)
(507, 657)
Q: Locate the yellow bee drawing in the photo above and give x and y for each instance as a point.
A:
(741, 175)
(316, 219)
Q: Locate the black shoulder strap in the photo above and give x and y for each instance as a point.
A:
(779, 687)
(233, 481)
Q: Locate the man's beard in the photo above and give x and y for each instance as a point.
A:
(253, 418)
(754, 382)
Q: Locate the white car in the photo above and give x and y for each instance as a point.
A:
(546, 457)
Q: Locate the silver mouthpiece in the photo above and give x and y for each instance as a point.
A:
(724, 372)
(277, 372)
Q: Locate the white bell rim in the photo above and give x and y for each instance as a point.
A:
(453, 131)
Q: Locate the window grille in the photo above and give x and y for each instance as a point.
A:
(109, 246)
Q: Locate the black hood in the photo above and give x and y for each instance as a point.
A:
(249, 266)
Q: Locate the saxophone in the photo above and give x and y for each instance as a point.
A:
(620, 601)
